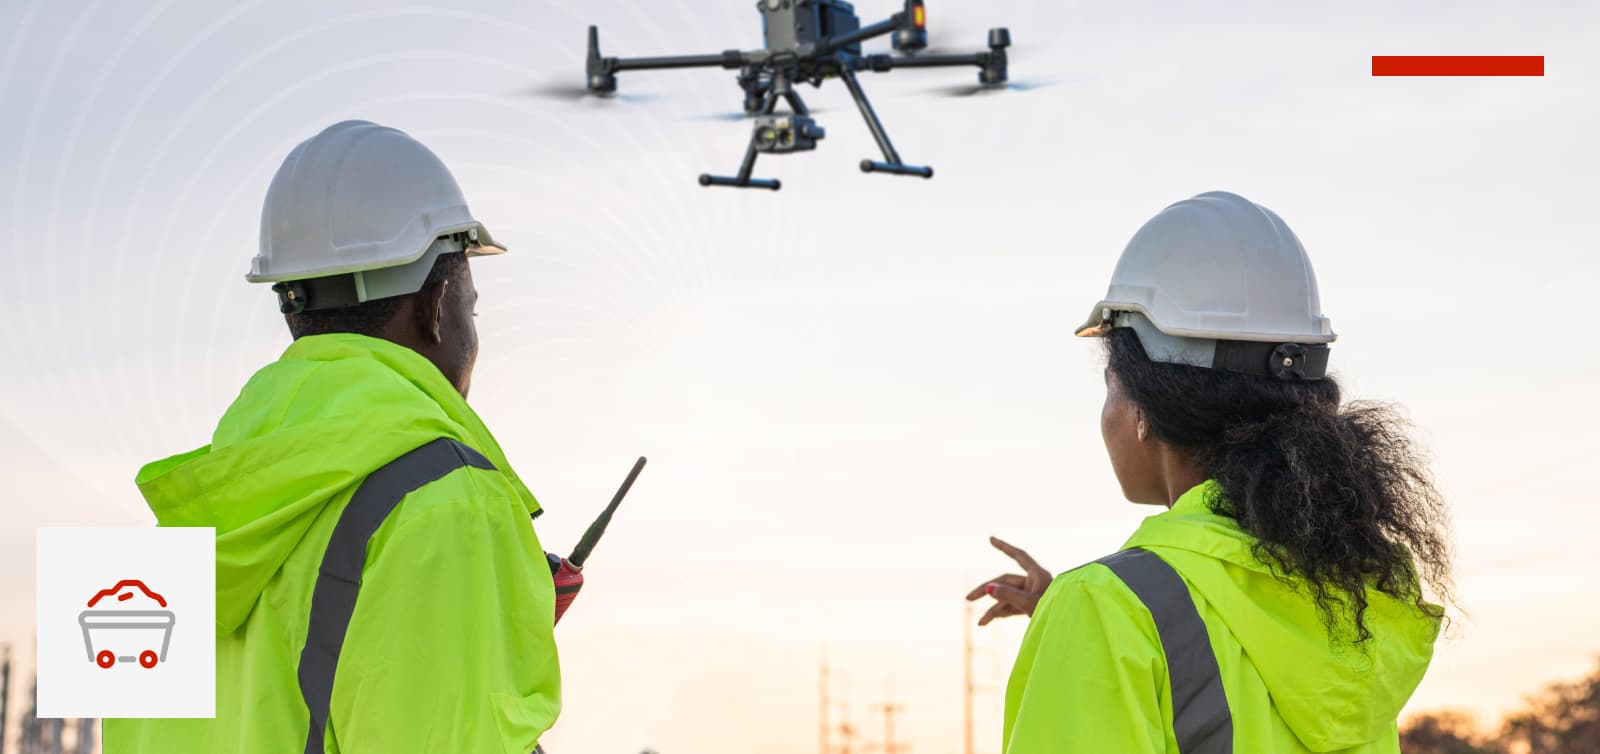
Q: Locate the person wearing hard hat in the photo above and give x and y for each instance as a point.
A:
(380, 587)
(1278, 604)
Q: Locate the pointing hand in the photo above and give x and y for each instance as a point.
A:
(1013, 594)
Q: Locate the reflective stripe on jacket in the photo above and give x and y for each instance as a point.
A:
(1093, 672)
(450, 646)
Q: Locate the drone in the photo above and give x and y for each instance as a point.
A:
(809, 42)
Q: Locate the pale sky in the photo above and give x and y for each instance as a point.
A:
(843, 387)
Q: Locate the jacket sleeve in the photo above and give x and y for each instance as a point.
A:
(451, 646)
(1090, 675)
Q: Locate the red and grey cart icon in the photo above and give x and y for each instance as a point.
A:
(111, 636)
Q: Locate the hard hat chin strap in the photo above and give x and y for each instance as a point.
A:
(1291, 362)
(1285, 361)
(335, 292)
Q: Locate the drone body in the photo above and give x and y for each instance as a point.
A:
(810, 41)
(788, 25)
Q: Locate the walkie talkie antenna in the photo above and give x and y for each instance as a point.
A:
(592, 536)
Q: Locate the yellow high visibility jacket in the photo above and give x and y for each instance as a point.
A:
(450, 645)
(1134, 654)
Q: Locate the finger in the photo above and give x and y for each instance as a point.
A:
(1023, 601)
(998, 610)
(1009, 579)
(1015, 553)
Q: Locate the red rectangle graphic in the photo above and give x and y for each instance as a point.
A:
(1458, 65)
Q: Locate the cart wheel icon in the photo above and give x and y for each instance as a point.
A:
(105, 659)
(147, 659)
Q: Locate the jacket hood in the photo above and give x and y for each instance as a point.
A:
(305, 428)
(1331, 693)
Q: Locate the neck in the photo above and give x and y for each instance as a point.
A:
(1180, 472)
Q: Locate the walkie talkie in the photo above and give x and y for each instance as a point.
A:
(568, 572)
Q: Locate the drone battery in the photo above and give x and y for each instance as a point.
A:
(782, 134)
(791, 24)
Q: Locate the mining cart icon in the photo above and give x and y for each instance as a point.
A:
(126, 635)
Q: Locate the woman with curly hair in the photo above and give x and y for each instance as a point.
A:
(1282, 602)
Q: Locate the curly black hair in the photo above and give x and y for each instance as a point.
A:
(1334, 494)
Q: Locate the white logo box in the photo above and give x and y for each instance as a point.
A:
(126, 622)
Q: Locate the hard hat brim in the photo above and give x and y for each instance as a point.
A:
(1101, 320)
(1098, 323)
(483, 244)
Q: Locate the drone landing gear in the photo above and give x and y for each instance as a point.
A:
(743, 180)
(893, 165)
(872, 166)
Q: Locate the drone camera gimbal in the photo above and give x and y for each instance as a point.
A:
(781, 134)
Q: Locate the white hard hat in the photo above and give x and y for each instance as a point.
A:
(1219, 281)
(367, 204)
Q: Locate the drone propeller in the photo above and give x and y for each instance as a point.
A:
(558, 91)
(579, 93)
(600, 80)
(727, 117)
(964, 43)
(741, 116)
(970, 90)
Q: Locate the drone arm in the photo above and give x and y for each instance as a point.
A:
(602, 72)
(730, 59)
(835, 44)
(993, 63)
(882, 63)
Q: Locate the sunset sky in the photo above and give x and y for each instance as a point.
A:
(846, 386)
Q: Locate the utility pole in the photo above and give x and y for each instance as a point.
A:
(847, 733)
(966, 675)
(29, 741)
(5, 694)
(821, 706)
(890, 709)
(85, 735)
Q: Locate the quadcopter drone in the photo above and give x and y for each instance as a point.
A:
(810, 41)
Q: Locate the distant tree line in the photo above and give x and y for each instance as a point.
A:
(1562, 719)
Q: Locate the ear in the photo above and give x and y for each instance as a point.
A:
(431, 313)
(1142, 427)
